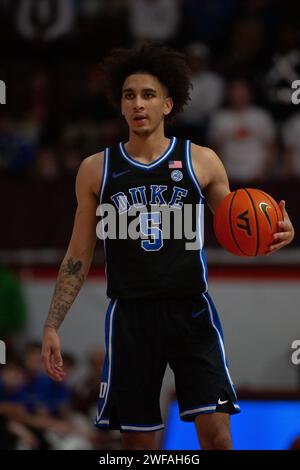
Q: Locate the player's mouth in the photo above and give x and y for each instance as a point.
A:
(140, 119)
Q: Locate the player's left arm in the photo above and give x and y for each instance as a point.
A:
(213, 180)
(211, 175)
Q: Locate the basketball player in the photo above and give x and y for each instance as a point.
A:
(160, 310)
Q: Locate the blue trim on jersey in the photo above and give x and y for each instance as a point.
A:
(205, 270)
(148, 166)
(101, 425)
(199, 237)
(188, 159)
(215, 316)
(215, 321)
(104, 174)
(108, 361)
(200, 232)
(102, 188)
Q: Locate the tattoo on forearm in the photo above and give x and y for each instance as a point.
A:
(68, 284)
(74, 267)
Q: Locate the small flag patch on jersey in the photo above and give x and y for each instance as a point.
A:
(175, 164)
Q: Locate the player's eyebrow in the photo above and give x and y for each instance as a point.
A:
(126, 90)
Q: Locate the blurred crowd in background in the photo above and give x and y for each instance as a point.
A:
(244, 56)
(40, 414)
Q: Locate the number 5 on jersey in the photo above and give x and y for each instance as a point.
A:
(149, 224)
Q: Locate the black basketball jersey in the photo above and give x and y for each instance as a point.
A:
(152, 217)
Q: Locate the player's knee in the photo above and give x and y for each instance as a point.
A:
(138, 441)
(221, 441)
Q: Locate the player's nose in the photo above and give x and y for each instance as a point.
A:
(138, 103)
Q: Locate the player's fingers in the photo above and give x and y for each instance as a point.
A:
(55, 372)
(286, 219)
(49, 368)
(58, 362)
(46, 359)
(281, 236)
(282, 206)
(286, 226)
(276, 247)
(57, 377)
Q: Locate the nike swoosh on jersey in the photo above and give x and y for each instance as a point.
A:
(221, 402)
(116, 174)
(196, 314)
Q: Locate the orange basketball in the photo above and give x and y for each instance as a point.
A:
(245, 221)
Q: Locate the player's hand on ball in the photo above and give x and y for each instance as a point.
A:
(286, 231)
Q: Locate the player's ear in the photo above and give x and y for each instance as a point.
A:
(168, 105)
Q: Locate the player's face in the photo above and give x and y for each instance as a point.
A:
(145, 103)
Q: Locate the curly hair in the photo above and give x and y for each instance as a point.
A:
(167, 65)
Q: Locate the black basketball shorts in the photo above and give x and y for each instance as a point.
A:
(142, 337)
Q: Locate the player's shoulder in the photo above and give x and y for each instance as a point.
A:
(89, 163)
(198, 152)
(92, 165)
(206, 163)
(90, 171)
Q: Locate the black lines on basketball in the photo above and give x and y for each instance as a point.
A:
(256, 220)
(231, 227)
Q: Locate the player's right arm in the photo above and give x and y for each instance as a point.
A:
(76, 263)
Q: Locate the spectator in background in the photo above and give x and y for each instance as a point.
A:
(12, 381)
(34, 412)
(16, 151)
(45, 20)
(244, 136)
(206, 95)
(106, 17)
(85, 395)
(38, 103)
(46, 166)
(153, 20)
(71, 158)
(208, 20)
(291, 142)
(87, 389)
(12, 309)
(246, 51)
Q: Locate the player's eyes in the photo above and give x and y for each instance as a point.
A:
(130, 96)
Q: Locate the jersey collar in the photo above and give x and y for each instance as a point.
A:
(148, 166)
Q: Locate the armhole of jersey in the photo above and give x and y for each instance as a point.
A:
(188, 159)
(105, 172)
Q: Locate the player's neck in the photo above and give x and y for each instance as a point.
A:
(147, 148)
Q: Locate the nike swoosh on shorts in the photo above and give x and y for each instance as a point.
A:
(221, 402)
